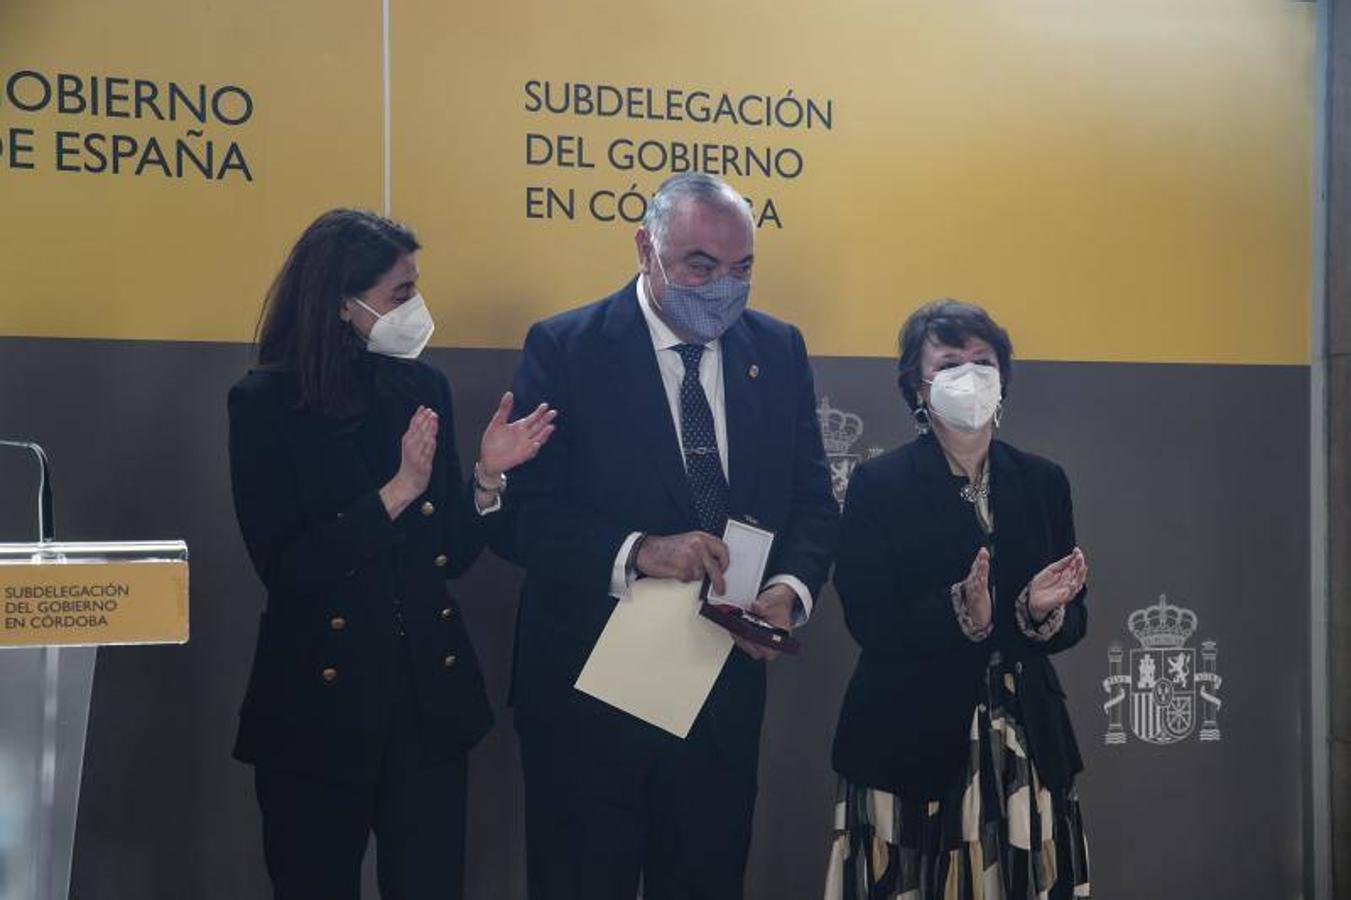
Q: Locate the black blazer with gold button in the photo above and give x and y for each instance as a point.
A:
(339, 573)
(906, 538)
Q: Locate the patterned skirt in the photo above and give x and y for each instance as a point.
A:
(998, 834)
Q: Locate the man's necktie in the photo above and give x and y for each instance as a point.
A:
(703, 466)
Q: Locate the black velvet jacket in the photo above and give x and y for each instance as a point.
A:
(906, 538)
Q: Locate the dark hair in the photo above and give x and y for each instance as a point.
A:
(952, 323)
(342, 254)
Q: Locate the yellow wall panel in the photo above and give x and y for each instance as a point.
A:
(1115, 181)
(163, 257)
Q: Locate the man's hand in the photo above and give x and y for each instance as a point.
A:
(775, 605)
(691, 556)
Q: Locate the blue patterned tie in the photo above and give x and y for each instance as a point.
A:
(703, 466)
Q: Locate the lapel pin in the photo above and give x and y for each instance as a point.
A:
(755, 371)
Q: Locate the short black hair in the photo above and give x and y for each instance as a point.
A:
(951, 323)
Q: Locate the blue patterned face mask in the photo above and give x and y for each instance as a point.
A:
(701, 314)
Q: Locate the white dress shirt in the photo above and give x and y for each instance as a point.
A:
(672, 367)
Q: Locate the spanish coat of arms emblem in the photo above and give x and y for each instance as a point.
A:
(1162, 681)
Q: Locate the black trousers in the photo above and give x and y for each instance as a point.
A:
(315, 831)
(610, 800)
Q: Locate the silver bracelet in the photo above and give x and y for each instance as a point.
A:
(483, 488)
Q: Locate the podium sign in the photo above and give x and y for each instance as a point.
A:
(58, 601)
(83, 602)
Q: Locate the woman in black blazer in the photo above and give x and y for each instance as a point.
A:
(365, 694)
(960, 576)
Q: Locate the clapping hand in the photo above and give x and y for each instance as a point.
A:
(1057, 584)
(417, 450)
(976, 590)
(505, 445)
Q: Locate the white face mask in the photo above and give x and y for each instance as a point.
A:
(965, 397)
(403, 331)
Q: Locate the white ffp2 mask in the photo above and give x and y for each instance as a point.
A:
(966, 397)
(403, 331)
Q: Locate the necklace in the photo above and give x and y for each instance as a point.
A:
(978, 490)
(973, 491)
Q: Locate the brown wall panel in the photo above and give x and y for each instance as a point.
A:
(1188, 480)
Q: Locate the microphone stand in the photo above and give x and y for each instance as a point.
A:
(46, 528)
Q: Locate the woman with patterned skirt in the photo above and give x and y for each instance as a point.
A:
(960, 577)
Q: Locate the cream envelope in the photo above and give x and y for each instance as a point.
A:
(657, 658)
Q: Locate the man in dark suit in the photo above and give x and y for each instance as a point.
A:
(677, 409)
